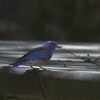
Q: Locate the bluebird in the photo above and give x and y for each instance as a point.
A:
(37, 55)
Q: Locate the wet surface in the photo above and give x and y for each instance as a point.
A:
(64, 73)
(11, 50)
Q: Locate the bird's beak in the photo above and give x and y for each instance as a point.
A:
(59, 46)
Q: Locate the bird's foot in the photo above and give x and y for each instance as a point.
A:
(42, 68)
(37, 68)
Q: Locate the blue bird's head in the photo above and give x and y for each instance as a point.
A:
(51, 45)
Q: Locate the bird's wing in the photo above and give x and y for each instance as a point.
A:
(37, 53)
(34, 54)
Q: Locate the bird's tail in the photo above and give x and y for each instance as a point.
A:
(17, 63)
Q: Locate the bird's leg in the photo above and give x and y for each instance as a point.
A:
(39, 66)
(32, 67)
(42, 67)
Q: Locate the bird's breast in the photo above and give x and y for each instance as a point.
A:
(46, 59)
(34, 62)
(37, 62)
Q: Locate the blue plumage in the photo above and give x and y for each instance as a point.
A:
(37, 55)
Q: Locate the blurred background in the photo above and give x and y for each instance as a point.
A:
(59, 20)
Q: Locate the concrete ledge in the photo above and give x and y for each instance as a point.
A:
(57, 84)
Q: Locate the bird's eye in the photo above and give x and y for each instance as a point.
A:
(53, 44)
